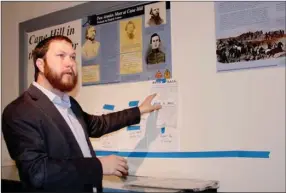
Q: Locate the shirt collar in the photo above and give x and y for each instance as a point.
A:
(64, 101)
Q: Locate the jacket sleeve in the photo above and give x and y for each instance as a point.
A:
(101, 125)
(36, 169)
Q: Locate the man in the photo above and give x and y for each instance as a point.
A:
(91, 47)
(155, 18)
(47, 132)
(155, 56)
(130, 30)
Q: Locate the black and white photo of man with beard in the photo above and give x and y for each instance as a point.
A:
(90, 47)
(157, 13)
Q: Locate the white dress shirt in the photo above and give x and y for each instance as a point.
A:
(63, 105)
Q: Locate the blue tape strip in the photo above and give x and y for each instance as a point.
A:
(204, 154)
(163, 130)
(108, 107)
(133, 128)
(114, 190)
(133, 103)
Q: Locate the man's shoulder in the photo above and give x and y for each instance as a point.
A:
(19, 107)
(158, 54)
(161, 53)
(151, 21)
(97, 43)
(86, 44)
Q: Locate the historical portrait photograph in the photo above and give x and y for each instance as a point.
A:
(155, 53)
(131, 35)
(90, 47)
(155, 14)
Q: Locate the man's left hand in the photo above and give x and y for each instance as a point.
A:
(147, 107)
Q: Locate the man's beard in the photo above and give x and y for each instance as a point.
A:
(157, 18)
(56, 80)
(91, 38)
(130, 35)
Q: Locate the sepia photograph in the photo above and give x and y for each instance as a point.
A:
(90, 47)
(131, 35)
(155, 14)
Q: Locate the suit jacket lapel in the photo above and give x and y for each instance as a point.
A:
(57, 119)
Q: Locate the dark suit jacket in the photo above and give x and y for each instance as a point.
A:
(46, 153)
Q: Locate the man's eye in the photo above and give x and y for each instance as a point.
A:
(73, 57)
(61, 55)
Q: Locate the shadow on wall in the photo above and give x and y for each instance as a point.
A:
(135, 163)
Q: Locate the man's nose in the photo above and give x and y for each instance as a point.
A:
(69, 61)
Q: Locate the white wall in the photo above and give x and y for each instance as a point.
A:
(218, 111)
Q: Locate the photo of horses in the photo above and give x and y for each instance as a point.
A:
(250, 46)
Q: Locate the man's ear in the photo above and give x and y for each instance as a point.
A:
(40, 64)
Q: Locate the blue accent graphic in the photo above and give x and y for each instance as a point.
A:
(163, 130)
(108, 107)
(133, 103)
(115, 190)
(204, 154)
(133, 128)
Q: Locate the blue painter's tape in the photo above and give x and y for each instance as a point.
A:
(163, 130)
(133, 128)
(204, 154)
(133, 103)
(254, 154)
(108, 107)
(114, 190)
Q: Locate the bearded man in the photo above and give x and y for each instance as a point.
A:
(47, 132)
(155, 17)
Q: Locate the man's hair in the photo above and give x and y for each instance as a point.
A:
(130, 23)
(151, 11)
(42, 48)
(86, 31)
(154, 35)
